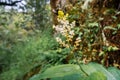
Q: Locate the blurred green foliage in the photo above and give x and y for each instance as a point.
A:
(23, 46)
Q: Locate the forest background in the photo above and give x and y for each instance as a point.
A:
(83, 43)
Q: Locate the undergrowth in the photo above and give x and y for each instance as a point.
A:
(28, 54)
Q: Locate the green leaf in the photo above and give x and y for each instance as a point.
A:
(97, 76)
(114, 71)
(94, 67)
(61, 72)
(101, 53)
(110, 27)
(93, 24)
(74, 72)
(70, 77)
(114, 17)
(118, 26)
(112, 48)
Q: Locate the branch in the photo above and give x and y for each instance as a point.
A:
(9, 4)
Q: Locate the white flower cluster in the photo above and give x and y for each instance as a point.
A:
(65, 28)
(58, 39)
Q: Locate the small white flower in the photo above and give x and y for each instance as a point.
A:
(58, 39)
(72, 24)
(71, 32)
(54, 26)
(78, 38)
